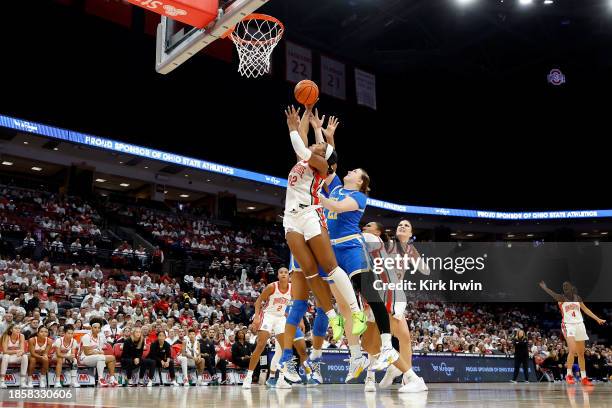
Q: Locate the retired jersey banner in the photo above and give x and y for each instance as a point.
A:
(365, 84)
(333, 78)
(299, 62)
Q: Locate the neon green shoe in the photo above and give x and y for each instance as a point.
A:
(359, 323)
(337, 325)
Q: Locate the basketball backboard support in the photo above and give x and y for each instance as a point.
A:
(177, 42)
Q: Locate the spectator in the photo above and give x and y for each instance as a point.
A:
(521, 356)
(160, 353)
(131, 358)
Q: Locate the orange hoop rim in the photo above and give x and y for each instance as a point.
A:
(256, 16)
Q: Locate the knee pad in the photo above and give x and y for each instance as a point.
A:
(297, 312)
(321, 321)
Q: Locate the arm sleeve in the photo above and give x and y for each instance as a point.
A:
(298, 146)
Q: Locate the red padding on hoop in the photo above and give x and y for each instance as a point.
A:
(196, 13)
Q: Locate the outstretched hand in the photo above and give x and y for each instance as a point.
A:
(330, 130)
(543, 285)
(293, 118)
(315, 121)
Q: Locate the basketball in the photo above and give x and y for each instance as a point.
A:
(306, 92)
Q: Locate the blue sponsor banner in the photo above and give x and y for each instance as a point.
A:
(435, 367)
(146, 152)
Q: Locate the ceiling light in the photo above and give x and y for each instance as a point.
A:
(165, 191)
(453, 234)
(56, 149)
(7, 163)
(584, 233)
(37, 168)
(250, 208)
(525, 2)
(184, 196)
(146, 167)
(529, 235)
(120, 162)
(124, 185)
(547, 2)
(510, 235)
(99, 180)
(26, 143)
(604, 233)
(470, 235)
(208, 180)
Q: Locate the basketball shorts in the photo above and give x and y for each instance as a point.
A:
(308, 223)
(575, 330)
(273, 324)
(353, 259)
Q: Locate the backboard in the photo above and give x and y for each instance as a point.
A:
(177, 42)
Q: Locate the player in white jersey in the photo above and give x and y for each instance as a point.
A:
(395, 302)
(269, 317)
(92, 355)
(39, 346)
(191, 357)
(13, 347)
(65, 351)
(308, 239)
(572, 325)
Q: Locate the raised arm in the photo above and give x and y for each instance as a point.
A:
(314, 160)
(589, 313)
(330, 130)
(317, 124)
(554, 295)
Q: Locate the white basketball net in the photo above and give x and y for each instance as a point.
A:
(255, 39)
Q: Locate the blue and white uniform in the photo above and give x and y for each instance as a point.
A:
(347, 241)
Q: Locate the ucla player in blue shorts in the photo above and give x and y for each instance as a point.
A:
(344, 207)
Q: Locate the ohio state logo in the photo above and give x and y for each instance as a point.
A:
(556, 77)
(173, 11)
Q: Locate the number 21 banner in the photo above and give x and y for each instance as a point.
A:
(299, 63)
(333, 78)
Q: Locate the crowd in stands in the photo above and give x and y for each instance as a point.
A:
(67, 285)
(35, 294)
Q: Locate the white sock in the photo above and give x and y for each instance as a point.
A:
(355, 351)
(410, 375)
(345, 287)
(583, 374)
(278, 353)
(249, 374)
(315, 354)
(386, 340)
(100, 368)
(331, 313)
(569, 371)
(372, 373)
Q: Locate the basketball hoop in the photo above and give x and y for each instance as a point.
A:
(255, 38)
